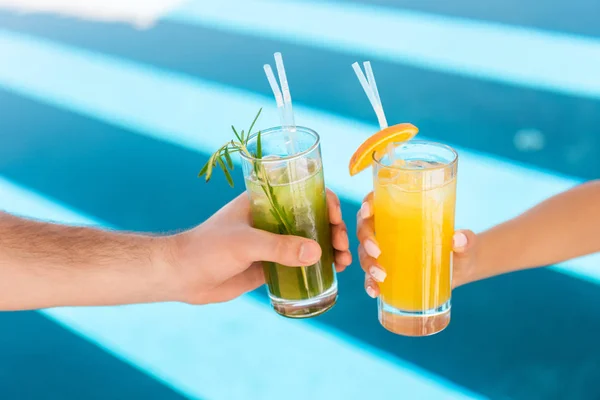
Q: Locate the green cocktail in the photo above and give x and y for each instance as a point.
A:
(287, 193)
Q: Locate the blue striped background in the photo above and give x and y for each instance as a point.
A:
(106, 124)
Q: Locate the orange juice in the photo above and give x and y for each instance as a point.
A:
(414, 204)
(414, 231)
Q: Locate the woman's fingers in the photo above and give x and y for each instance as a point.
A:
(370, 265)
(366, 235)
(463, 240)
(371, 287)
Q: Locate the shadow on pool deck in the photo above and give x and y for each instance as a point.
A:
(40, 359)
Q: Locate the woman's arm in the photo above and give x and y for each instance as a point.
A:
(563, 227)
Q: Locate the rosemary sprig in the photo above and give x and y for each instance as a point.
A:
(222, 158)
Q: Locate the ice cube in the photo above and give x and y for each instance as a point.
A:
(389, 176)
(429, 177)
(301, 168)
(420, 164)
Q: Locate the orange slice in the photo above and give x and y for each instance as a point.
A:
(363, 156)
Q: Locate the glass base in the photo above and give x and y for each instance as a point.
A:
(306, 308)
(418, 323)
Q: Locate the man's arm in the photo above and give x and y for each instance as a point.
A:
(47, 265)
(563, 227)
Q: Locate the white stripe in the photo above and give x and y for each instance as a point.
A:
(521, 56)
(238, 350)
(137, 12)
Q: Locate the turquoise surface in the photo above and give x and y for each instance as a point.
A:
(108, 124)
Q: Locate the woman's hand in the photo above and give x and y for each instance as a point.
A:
(368, 251)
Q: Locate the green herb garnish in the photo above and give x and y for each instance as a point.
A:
(222, 158)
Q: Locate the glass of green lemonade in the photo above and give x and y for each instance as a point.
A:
(287, 195)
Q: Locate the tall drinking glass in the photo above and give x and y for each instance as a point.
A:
(414, 205)
(287, 195)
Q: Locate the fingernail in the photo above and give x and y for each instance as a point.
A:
(372, 249)
(309, 252)
(377, 273)
(371, 291)
(365, 210)
(460, 240)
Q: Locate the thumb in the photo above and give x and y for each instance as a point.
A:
(283, 249)
(463, 240)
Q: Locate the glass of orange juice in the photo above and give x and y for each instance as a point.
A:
(414, 206)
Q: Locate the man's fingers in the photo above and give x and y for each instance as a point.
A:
(244, 282)
(335, 210)
(339, 237)
(342, 260)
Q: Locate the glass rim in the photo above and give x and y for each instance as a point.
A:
(417, 142)
(291, 157)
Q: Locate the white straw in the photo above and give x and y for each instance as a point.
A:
(370, 87)
(283, 98)
(371, 95)
(287, 96)
(274, 85)
(276, 93)
(285, 89)
(287, 121)
(288, 113)
(371, 78)
(365, 85)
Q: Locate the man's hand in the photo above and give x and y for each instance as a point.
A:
(221, 259)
